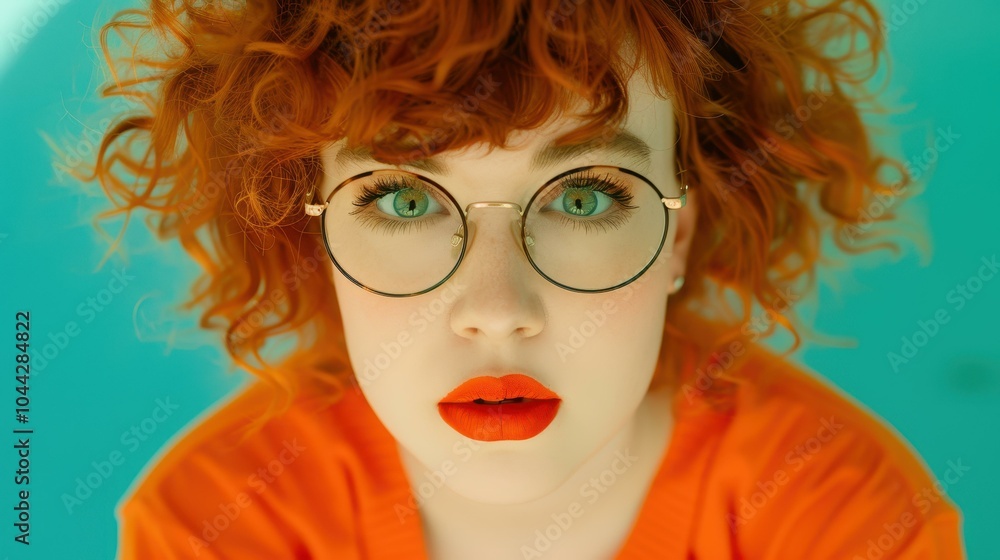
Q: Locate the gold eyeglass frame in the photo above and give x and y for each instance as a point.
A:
(669, 203)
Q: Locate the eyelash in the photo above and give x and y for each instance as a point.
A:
(617, 191)
(383, 187)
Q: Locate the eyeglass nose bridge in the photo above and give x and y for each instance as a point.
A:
(456, 238)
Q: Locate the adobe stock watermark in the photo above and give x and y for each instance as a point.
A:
(218, 180)
(419, 322)
(710, 35)
(31, 24)
(214, 187)
(883, 203)
(292, 279)
(915, 167)
(787, 126)
(76, 150)
(757, 325)
(719, 362)
(42, 353)
(895, 529)
(795, 460)
(362, 37)
(131, 439)
(155, 322)
(944, 139)
(590, 493)
(435, 479)
(899, 15)
(230, 512)
(566, 8)
(753, 329)
(959, 297)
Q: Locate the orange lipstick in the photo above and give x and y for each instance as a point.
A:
(512, 407)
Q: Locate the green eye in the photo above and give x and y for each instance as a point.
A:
(584, 201)
(405, 203)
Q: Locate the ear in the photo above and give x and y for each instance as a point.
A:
(686, 219)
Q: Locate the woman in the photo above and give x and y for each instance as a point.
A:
(444, 236)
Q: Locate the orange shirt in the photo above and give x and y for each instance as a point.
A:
(791, 470)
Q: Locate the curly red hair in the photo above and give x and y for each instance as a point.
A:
(769, 126)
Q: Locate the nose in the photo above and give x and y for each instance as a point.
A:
(498, 297)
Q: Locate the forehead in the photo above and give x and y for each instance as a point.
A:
(646, 135)
(650, 116)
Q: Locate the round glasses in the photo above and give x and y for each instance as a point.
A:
(590, 229)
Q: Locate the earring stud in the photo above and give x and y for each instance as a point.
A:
(678, 284)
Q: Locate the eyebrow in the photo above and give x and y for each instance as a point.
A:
(624, 143)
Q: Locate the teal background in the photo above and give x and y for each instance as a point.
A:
(110, 375)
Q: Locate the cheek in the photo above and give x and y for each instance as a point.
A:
(391, 344)
(625, 324)
(371, 322)
(647, 300)
(610, 349)
(635, 320)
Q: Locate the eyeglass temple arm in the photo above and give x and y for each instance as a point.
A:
(313, 209)
(674, 203)
(671, 202)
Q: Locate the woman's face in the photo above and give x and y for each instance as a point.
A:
(496, 315)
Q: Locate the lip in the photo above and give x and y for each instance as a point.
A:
(478, 408)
